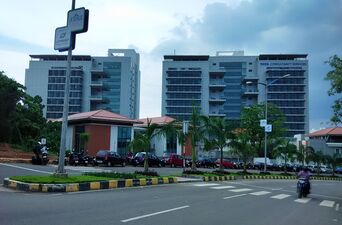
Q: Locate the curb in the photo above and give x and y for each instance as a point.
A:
(14, 160)
(218, 178)
(251, 177)
(86, 186)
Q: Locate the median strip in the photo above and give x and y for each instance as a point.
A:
(154, 214)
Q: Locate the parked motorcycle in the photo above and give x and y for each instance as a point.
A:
(303, 187)
(41, 155)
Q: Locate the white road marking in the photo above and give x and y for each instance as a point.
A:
(234, 196)
(327, 203)
(337, 206)
(281, 196)
(24, 168)
(303, 200)
(222, 187)
(276, 189)
(241, 190)
(205, 184)
(154, 214)
(260, 193)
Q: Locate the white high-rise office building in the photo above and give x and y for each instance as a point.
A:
(223, 84)
(110, 82)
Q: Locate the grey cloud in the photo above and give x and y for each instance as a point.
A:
(17, 45)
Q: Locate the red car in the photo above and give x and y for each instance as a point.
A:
(226, 163)
(173, 160)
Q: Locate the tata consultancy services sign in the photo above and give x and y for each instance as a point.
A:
(78, 20)
(63, 39)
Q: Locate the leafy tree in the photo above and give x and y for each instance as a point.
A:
(11, 93)
(335, 78)
(334, 161)
(242, 148)
(218, 132)
(52, 132)
(250, 123)
(28, 121)
(286, 151)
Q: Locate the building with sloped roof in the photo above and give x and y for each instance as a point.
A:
(328, 140)
(107, 131)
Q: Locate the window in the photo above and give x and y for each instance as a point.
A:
(338, 151)
(250, 70)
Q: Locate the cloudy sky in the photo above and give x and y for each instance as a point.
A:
(155, 28)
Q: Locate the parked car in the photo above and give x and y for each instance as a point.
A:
(338, 170)
(206, 162)
(226, 163)
(153, 160)
(173, 160)
(109, 158)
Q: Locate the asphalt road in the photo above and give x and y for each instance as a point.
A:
(259, 202)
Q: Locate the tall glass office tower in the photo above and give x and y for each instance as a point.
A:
(111, 82)
(222, 85)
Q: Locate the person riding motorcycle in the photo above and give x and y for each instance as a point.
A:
(305, 174)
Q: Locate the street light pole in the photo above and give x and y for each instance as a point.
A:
(266, 90)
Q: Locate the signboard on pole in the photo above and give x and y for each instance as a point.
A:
(63, 39)
(268, 128)
(263, 123)
(78, 20)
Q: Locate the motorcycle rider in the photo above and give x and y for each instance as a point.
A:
(37, 150)
(305, 174)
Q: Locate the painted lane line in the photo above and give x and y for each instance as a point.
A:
(281, 196)
(222, 187)
(327, 203)
(241, 190)
(260, 193)
(154, 214)
(234, 196)
(337, 206)
(302, 200)
(24, 168)
(205, 184)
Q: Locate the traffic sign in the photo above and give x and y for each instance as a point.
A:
(268, 128)
(78, 20)
(263, 123)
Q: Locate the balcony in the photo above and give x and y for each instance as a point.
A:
(251, 92)
(96, 98)
(96, 84)
(217, 99)
(217, 113)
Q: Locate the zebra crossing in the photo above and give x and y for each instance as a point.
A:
(240, 192)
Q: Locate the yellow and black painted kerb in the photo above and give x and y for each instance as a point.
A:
(86, 186)
(218, 178)
(250, 177)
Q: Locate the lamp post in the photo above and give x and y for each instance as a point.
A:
(266, 88)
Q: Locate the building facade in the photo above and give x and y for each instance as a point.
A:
(222, 85)
(328, 140)
(110, 82)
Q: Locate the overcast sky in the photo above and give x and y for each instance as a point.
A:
(155, 28)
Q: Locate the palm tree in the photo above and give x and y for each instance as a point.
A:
(300, 154)
(218, 131)
(242, 148)
(286, 151)
(142, 141)
(196, 133)
(334, 161)
(318, 158)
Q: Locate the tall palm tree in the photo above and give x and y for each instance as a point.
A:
(334, 161)
(196, 133)
(142, 141)
(300, 154)
(218, 133)
(286, 151)
(242, 148)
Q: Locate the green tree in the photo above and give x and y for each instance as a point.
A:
(242, 148)
(250, 123)
(286, 151)
(318, 158)
(300, 154)
(52, 132)
(11, 93)
(142, 141)
(218, 133)
(334, 161)
(335, 78)
(196, 133)
(84, 138)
